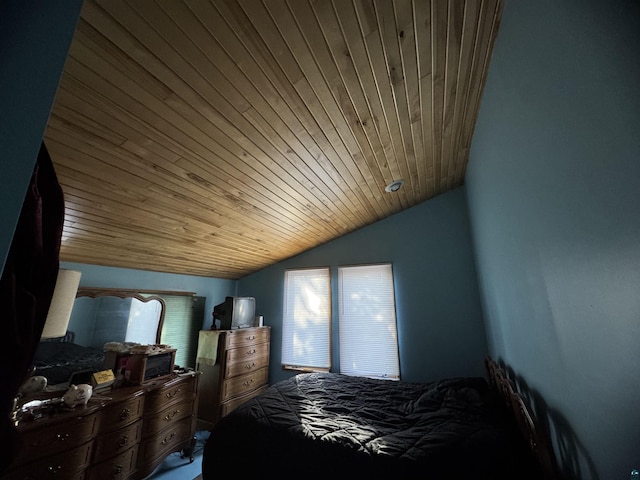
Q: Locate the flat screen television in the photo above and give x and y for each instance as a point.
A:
(235, 312)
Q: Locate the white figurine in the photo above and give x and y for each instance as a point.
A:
(33, 384)
(77, 395)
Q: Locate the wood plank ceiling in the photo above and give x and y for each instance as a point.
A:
(215, 138)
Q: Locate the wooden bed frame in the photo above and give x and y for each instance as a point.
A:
(535, 436)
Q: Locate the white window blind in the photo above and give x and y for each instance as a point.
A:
(367, 322)
(306, 326)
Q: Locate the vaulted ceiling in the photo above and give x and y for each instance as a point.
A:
(216, 138)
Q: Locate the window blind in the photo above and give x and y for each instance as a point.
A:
(367, 322)
(183, 318)
(306, 326)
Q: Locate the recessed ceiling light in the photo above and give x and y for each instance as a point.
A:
(394, 186)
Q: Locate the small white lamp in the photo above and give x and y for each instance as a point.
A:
(64, 295)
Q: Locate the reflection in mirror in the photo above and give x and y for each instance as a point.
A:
(98, 317)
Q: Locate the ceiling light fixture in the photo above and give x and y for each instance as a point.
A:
(394, 186)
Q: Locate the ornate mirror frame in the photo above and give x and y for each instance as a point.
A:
(125, 294)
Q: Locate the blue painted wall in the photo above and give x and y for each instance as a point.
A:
(553, 185)
(553, 189)
(214, 289)
(440, 326)
(34, 39)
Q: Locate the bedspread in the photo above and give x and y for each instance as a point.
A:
(337, 424)
(59, 360)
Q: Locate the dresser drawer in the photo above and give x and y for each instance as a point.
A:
(117, 441)
(247, 352)
(122, 414)
(158, 446)
(118, 467)
(183, 388)
(57, 438)
(231, 405)
(247, 336)
(239, 363)
(243, 384)
(168, 416)
(69, 465)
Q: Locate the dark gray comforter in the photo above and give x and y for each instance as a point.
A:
(336, 425)
(59, 360)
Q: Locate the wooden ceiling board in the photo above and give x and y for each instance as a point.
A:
(216, 138)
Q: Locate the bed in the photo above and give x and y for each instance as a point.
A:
(327, 424)
(59, 359)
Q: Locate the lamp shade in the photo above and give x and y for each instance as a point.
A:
(64, 295)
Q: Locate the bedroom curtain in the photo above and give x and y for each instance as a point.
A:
(27, 284)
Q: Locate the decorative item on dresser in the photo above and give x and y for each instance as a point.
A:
(235, 368)
(122, 433)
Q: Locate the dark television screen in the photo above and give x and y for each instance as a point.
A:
(236, 312)
(158, 365)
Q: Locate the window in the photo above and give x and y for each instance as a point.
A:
(367, 322)
(368, 343)
(306, 326)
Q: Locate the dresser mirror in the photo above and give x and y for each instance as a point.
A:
(99, 316)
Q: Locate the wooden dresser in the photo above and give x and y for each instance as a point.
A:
(123, 433)
(240, 371)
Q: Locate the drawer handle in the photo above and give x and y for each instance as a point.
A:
(251, 352)
(117, 470)
(171, 394)
(251, 337)
(124, 439)
(62, 437)
(54, 470)
(124, 414)
(169, 416)
(249, 366)
(167, 440)
(248, 382)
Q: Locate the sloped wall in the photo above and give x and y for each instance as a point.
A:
(34, 41)
(553, 186)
